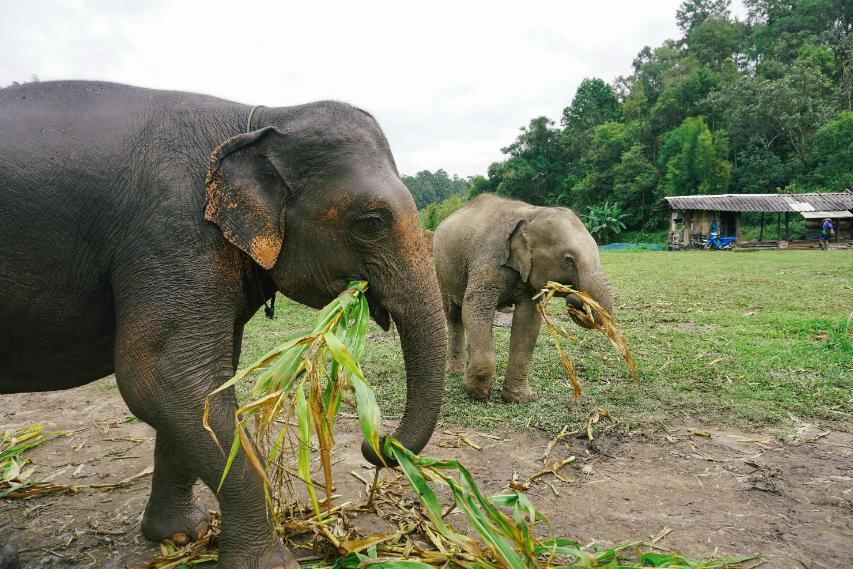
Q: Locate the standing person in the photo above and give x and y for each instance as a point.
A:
(826, 231)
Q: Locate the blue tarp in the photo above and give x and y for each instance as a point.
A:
(624, 246)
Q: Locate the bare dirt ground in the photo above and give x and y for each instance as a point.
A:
(730, 493)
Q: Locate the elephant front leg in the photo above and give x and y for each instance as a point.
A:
(455, 337)
(247, 539)
(164, 382)
(172, 512)
(478, 315)
(526, 323)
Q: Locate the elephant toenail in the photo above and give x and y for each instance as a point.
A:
(180, 538)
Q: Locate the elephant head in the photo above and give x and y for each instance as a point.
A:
(552, 244)
(315, 199)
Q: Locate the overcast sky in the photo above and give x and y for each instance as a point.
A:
(450, 82)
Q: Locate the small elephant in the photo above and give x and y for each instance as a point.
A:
(140, 230)
(494, 253)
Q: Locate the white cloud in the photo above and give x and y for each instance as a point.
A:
(450, 82)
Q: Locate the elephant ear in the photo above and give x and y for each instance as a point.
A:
(518, 254)
(247, 194)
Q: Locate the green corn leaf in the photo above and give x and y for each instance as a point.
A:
(427, 496)
(652, 559)
(398, 565)
(341, 355)
(284, 373)
(235, 448)
(356, 334)
(368, 408)
(482, 523)
(549, 545)
(303, 415)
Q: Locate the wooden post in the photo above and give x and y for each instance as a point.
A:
(778, 226)
(761, 232)
(737, 227)
(787, 229)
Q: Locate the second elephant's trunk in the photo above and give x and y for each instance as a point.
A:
(598, 287)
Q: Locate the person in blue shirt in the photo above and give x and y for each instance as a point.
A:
(826, 230)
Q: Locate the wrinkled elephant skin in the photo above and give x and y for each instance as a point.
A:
(141, 229)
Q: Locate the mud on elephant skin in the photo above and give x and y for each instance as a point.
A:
(141, 229)
(494, 253)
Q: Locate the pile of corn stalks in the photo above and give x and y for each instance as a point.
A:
(307, 379)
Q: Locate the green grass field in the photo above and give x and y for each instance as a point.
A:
(726, 338)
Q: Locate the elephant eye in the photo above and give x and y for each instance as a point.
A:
(369, 226)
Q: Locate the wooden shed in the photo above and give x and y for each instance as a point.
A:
(692, 218)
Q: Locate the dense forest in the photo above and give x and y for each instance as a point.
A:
(755, 106)
(428, 188)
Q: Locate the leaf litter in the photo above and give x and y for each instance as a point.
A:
(16, 479)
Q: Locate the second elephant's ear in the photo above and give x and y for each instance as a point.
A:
(247, 194)
(518, 253)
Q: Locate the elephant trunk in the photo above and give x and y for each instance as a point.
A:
(418, 314)
(597, 286)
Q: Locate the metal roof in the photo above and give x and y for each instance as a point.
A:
(843, 214)
(765, 202)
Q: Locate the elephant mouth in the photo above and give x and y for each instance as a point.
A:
(572, 300)
(378, 312)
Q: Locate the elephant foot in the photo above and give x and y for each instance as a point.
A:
(281, 558)
(477, 388)
(180, 527)
(8, 556)
(519, 393)
(456, 368)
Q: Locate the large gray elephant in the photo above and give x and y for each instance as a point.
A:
(494, 253)
(141, 229)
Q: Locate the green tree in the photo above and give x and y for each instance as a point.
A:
(604, 221)
(776, 119)
(427, 187)
(636, 186)
(480, 184)
(831, 153)
(599, 161)
(694, 159)
(432, 215)
(715, 41)
(531, 173)
(692, 13)
(654, 69)
(779, 28)
(685, 96)
(594, 103)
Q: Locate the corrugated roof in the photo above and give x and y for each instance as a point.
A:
(765, 202)
(843, 214)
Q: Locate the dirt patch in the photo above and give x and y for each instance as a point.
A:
(693, 327)
(503, 319)
(730, 493)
